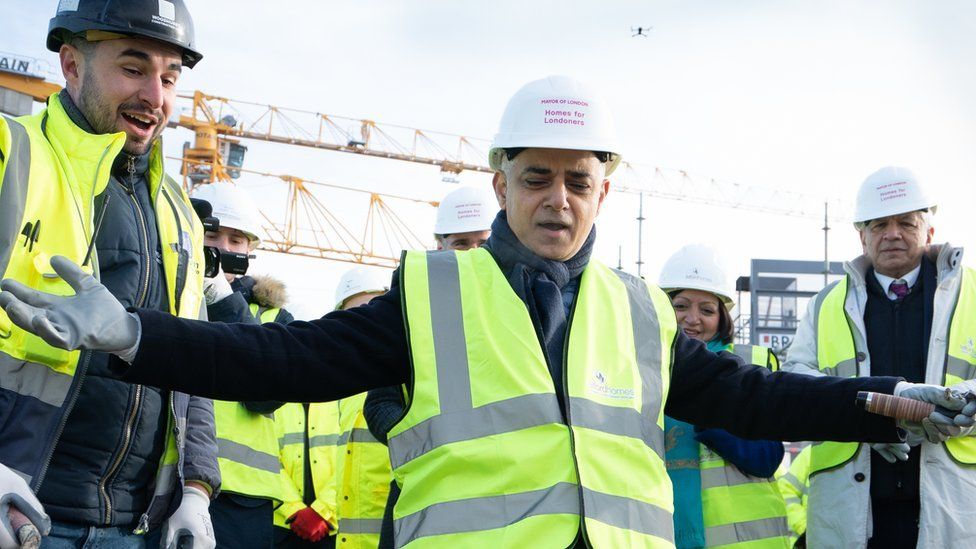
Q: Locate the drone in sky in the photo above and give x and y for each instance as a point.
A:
(640, 31)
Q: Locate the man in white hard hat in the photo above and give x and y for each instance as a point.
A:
(906, 308)
(464, 219)
(247, 444)
(537, 377)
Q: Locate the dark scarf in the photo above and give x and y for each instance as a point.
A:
(539, 283)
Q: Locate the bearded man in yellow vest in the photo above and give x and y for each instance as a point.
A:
(907, 308)
(536, 377)
(84, 179)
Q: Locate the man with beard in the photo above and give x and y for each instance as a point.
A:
(107, 461)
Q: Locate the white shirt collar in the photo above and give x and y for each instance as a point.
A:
(885, 281)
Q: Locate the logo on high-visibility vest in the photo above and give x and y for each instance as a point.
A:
(599, 387)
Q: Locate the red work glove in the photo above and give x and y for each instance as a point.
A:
(309, 525)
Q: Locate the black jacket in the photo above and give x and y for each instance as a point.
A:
(106, 458)
(347, 352)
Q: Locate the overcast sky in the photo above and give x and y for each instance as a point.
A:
(809, 97)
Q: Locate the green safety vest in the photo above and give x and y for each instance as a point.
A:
(756, 354)
(363, 478)
(50, 173)
(247, 446)
(795, 487)
(264, 314)
(484, 456)
(837, 356)
(740, 510)
(322, 430)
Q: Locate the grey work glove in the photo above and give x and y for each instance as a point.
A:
(14, 492)
(190, 521)
(217, 288)
(90, 319)
(951, 416)
(892, 451)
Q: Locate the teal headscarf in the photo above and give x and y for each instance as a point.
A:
(681, 458)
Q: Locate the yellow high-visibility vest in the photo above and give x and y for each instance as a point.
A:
(322, 433)
(363, 478)
(50, 173)
(484, 455)
(837, 355)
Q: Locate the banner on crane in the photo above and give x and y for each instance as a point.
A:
(19, 65)
(776, 342)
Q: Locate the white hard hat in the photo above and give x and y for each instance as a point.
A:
(360, 280)
(233, 207)
(465, 210)
(892, 190)
(697, 267)
(557, 112)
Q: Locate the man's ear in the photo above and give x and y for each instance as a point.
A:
(500, 185)
(72, 65)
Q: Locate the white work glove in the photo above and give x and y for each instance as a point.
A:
(15, 492)
(90, 319)
(217, 288)
(949, 419)
(191, 520)
(892, 451)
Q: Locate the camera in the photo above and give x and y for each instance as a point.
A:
(214, 259)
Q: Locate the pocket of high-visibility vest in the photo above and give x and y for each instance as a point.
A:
(44, 279)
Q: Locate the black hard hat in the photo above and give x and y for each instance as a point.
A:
(164, 20)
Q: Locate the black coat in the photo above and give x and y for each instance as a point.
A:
(348, 352)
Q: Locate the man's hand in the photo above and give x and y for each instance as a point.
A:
(192, 520)
(952, 417)
(892, 451)
(309, 525)
(90, 319)
(14, 492)
(217, 288)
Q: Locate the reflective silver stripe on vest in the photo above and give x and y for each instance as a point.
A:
(322, 440)
(730, 475)
(791, 478)
(34, 380)
(740, 532)
(629, 514)
(13, 192)
(239, 453)
(792, 500)
(647, 343)
(504, 416)
(291, 438)
(744, 352)
(960, 368)
(360, 526)
(486, 513)
(357, 435)
(617, 420)
(447, 327)
(847, 368)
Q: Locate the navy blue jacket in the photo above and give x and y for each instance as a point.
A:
(348, 352)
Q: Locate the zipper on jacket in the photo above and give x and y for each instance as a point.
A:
(117, 462)
(141, 215)
(140, 300)
(566, 412)
(82, 369)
